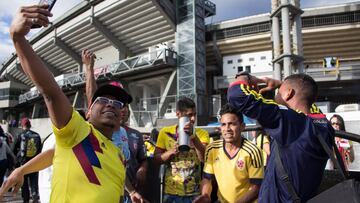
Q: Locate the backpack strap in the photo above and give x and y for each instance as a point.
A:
(284, 175)
(336, 160)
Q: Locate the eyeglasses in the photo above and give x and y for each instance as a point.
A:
(334, 123)
(104, 101)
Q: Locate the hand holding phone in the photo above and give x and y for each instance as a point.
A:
(51, 4)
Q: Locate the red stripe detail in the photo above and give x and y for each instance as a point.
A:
(95, 143)
(238, 82)
(317, 115)
(85, 164)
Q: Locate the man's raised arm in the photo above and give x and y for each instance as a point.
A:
(88, 59)
(57, 103)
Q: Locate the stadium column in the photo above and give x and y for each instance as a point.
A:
(297, 36)
(292, 56)
(275, 32)
(190, 47)
(285, 18)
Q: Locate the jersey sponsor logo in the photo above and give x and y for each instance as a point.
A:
(283, 107)
(240, 164)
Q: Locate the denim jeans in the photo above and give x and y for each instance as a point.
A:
(177, 199)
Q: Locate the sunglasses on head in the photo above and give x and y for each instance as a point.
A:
(104, 101)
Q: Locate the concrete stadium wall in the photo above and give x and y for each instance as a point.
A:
(41, 126)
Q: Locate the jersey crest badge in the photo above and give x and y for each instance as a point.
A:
(240, 164)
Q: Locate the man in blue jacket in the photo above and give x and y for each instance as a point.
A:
(291, 124)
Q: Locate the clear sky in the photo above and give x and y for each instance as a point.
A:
(226, 10)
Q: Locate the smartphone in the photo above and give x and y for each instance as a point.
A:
(51, 4)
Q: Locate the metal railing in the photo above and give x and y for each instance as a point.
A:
(143, 61)
(333, 19)
(331, 74)
(319, 74)
(243, 30)
(210, 8)
(223, 82)
(147, 111)
(311, 21)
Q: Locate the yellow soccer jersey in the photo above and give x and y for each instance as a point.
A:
(150, 148)
(183, 173)
(233, 175)
(258, 144)
(88, 167)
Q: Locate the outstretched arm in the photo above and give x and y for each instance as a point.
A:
(134, 195)
(57, 103)
(88, 59)
(16, 178)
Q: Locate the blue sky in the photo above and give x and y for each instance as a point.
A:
(226, 10)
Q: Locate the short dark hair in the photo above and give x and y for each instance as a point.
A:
(306, 84)
(185, 103)
(341, 124)
(228, 108)
(154, 134)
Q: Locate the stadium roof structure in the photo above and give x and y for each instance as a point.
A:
(130, 26)
(329, 30)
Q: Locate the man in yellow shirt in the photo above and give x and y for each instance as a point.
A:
(183, 172)
(233, 161)
(88, 167)
(263, 143)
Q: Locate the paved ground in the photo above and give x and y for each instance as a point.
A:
(9, 198)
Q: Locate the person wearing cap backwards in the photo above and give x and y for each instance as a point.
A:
(129, 140)
(88, 167)
(26, 148)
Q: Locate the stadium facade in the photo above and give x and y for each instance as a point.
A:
(160, 48)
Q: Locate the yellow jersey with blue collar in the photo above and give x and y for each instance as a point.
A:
(234, 175)
(88, 167)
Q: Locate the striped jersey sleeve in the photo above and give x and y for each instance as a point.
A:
(209, 157)
(254, 153)
(255, 164)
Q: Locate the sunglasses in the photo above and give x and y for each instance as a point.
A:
(335, 123)
(105, 101)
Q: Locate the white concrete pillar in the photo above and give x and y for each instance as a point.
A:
(285, 17)
(275, 34)
(145, 96)
(297, 37)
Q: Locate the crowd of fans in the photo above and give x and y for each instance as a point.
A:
(96, 157)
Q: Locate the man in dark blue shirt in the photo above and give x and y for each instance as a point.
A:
(291, 124)
(28, 146)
